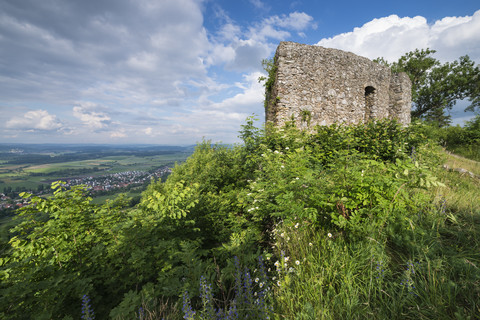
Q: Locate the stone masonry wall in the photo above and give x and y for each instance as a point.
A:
(316, 85)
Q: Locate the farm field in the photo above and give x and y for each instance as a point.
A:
(27, 167)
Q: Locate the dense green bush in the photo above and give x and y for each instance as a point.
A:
(464, 141)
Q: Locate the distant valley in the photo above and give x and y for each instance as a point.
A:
(105, 169)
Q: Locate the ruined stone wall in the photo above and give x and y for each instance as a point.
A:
(315, 85)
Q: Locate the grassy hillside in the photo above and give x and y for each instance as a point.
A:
(356, 222)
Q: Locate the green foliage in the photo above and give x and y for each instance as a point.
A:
(464, 141)
(351, 177)
(269, 65)
(435, 86)
(53, 257)
(418, 270)
(306, 116)
(271, 69)
(340, 214)
(66, 247)
(251, 300)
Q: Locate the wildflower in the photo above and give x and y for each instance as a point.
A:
(287, 258)
(277, 264)
(287, 148)
(288, 238)
(187, 307)
(282, 234)
(256, 280)
(310, 244)
(297, 263)
(141, 313)
(443, 205)
(297, 178)
(329, 235)
(282, 166)
(87, 310)
(278, 283)
(263, 154)
(276, 151)
(296, 225)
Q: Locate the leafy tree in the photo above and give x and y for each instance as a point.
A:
(436, 87)
(473, 126)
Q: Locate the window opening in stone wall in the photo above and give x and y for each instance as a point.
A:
(369, 102)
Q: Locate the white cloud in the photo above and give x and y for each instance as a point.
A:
(258, 4)
(277, 27)
(213, 120)
(148, 131)
(143, 61)
(243, 50)
(392, 36)
(142, 49)
(85, 111)
(295, 20)
(248, 101)
(118, 134)
(35, 120)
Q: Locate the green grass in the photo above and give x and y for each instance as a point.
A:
(85, 164)
(471, 151)
(340, 277)
(455, 161)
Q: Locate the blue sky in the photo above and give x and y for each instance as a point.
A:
(179, 71)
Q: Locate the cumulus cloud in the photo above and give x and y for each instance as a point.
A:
(90, 117)
(296, 20)
(223, 118)
(243, 49)
(392, 36)
(245, 102)
(35, 120)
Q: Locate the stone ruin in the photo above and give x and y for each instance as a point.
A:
(319, 86)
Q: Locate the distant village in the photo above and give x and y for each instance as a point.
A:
(96, 185)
